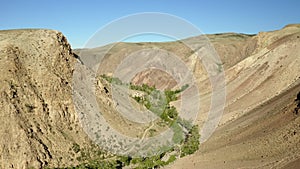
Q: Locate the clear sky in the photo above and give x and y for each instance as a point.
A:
(80, 19)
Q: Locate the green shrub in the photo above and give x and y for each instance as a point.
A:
(76, 147)
(191, 143)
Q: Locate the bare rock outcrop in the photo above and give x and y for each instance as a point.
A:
(38, 124)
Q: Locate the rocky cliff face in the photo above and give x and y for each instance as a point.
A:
(38, 124)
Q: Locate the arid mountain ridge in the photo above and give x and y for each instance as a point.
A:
(260, 126)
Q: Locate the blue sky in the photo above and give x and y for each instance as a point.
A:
(79, 20)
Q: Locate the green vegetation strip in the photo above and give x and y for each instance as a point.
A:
(157, 102)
